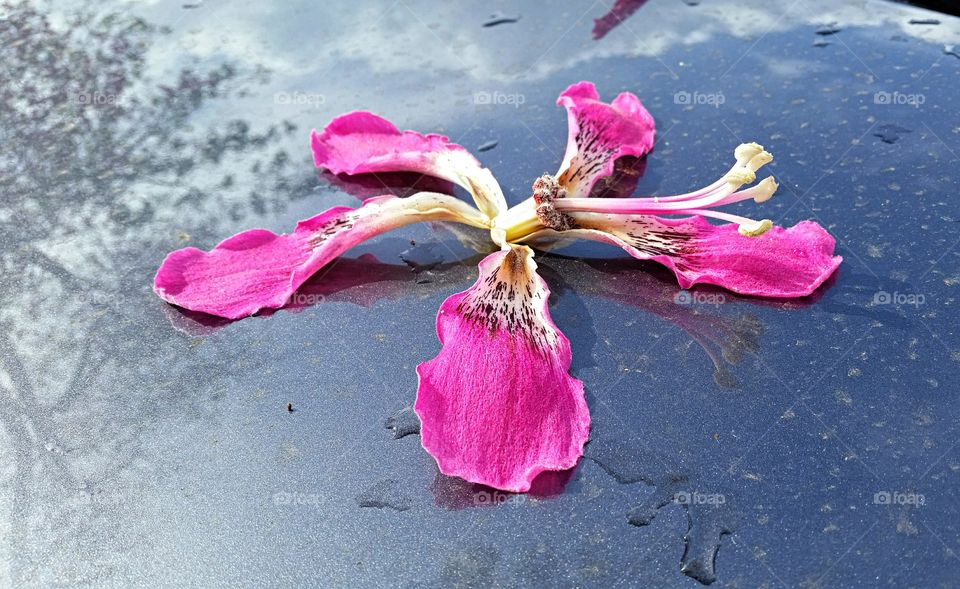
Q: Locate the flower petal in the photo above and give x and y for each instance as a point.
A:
(258, 269)
(780, 263)
(361, 142)
(497, 405)
(598, 134)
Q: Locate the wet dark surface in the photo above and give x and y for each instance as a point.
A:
(813, 441)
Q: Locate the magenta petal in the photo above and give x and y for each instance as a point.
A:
(497, 405)
(598, 134)
(361, 142)
(782, 262)
(258, 269)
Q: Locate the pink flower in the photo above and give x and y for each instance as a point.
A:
(497, 404)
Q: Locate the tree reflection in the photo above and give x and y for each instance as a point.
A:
(103, 167)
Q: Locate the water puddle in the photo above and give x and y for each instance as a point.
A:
(709, 513)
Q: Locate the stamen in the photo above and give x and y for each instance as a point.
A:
(546, 190)
(746, 151)
(747, 227)
(762, 192)
(739, 177)
(554, 219)
(552, 208)
(758, 161)
(765, 190)
(755, 229)
(750, 158)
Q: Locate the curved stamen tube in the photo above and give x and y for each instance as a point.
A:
(643, 206)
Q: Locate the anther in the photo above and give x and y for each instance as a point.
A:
(755, 228)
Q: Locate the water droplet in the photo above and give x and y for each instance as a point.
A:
(890, 133)
(403, 423)
(830, 29)
(499, 18)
